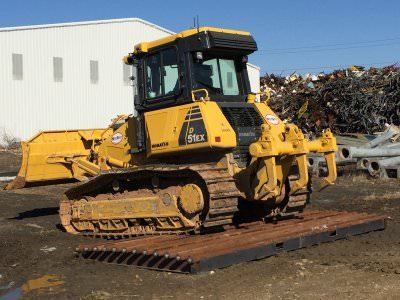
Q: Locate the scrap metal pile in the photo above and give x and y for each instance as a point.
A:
(348, 101)
(357, 104)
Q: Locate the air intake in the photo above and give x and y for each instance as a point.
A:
(246, 122)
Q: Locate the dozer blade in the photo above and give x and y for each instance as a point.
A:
(50, 155)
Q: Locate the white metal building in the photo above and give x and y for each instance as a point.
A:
(68, 76)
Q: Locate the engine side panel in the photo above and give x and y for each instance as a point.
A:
(197, 126)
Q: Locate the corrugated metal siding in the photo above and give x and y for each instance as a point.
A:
(38, 102)
(254, 77)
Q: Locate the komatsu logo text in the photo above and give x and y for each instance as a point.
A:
(159, 145)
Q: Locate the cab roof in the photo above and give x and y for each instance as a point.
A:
(145, 46)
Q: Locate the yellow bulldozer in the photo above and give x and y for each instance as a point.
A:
(201, 150)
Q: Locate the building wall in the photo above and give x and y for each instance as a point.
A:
(38, 102)
(254, 77)
(42, 100)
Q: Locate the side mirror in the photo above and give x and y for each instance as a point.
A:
(199, 55)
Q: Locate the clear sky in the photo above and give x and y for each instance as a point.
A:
(303, 36)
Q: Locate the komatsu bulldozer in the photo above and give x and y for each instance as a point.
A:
(200, 151)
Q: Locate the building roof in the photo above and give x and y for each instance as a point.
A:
(253, 66)
(85, 23)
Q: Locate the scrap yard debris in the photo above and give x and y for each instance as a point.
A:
(378, 155)
(357, 104)
(348, 101)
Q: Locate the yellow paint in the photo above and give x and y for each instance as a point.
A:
(302, 109)
(65, 154)
(44, 282)
(205, 91)
(116, 151)
(251, 98)
(112, 215)
(278, 139)
(48, 155)
(55, 155)
(163, 128)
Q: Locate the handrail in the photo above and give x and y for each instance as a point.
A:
(251, 98)
(200, 90)
(268, 93)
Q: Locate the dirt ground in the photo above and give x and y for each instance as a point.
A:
(37, 259)
(9, 162)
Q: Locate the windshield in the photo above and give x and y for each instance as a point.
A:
(217, 75)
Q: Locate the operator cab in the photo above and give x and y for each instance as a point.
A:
(192, 65)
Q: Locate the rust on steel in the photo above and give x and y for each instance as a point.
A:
(244, 242)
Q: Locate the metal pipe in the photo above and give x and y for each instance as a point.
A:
(389, 162)
(362, 164)
(376, 166)
(388, 134)
(117, 162)
(356, 152)
(391, 145)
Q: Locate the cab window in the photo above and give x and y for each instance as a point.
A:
(217, 75)
(162, 74)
